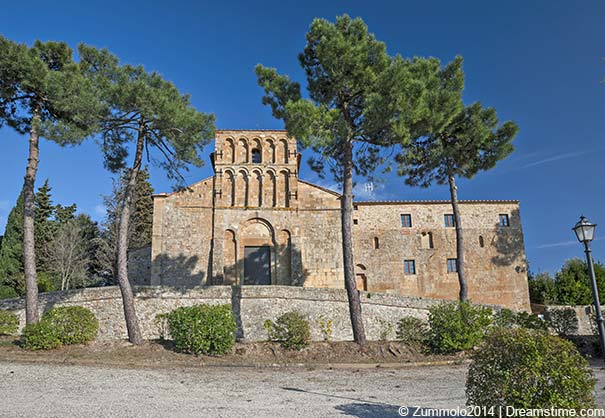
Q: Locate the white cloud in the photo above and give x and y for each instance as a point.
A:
(565, 243)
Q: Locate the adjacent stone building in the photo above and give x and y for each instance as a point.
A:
(256, 222)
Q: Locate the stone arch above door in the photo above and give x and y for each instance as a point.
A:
(257, 247)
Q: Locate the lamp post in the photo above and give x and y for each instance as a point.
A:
(585, 232)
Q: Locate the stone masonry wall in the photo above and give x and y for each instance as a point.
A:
(252, 306)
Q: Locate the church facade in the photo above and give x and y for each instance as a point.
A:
(255, 222)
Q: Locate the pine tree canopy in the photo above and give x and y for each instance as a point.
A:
(357, 92)
(42, 85)
(142, 104)
(473, 141)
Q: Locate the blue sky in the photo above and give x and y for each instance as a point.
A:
(538, 63)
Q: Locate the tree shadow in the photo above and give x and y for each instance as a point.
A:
(178, 271)
(369, 410)
(509, 243)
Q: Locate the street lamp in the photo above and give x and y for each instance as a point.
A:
(585, 232)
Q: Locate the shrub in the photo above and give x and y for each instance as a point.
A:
(7, 292)
(203, 329)
(412, 330)
(325, 327)
(563, 321)
(40, 336)
(505, 318)
(73, 324)
(8, 322)
(457, 326)
(386, 329)
(527, 369)
(291, 330)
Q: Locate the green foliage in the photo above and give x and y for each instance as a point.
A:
(573, 283)
(412, 330)
(161, 323)
(378, 101)
(203, 329)
(40, 336)
(386, 329)
(11, 251)
(506, 318)
(8, 322)
(457, 326)
(524, 369)
(42, 87)
(291, 330)
(7, 292)
(563, 321)
(139, 105)
(325, 327)
(473, 141)
(72, 324)
(43, 224)
(542, 289)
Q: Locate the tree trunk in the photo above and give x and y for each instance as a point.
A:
(463, 294)
(132, 322)
(29, 252)
(359, 334)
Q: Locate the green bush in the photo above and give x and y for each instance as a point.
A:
(412, 330)
(8, 322)
(203, 329)
(291, 330)
(73, 324)
(563, 321)
(527, 369)
(40, 336)
(457, 326)
(506, 318)
(7, 292)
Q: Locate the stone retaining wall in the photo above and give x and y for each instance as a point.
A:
(584, 315)
(252, 305)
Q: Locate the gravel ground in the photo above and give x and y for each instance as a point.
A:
(76, 391)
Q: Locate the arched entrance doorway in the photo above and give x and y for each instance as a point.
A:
(258, 250)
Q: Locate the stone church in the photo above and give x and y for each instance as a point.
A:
(255, 222)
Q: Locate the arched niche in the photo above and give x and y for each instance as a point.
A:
(284, 257)
(283, 189)
(241, 189)
(256, 189)
(256, 152)
(269, 190)
(242, 151)
(229, 257)
(228, 192)
(229, 151)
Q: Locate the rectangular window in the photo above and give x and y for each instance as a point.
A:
(409, 267)
(355, 221)
(406, 220)
(449, 221)
(503, 220)
(452, 265)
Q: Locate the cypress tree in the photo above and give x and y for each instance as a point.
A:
(11, 251)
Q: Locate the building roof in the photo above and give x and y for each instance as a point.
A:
(423, 202)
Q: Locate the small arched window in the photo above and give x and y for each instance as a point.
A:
(376, 243)
(256, 156)
(481, 243)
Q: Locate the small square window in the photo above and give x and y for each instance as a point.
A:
(355, 207)
(409, 267)
(406, 220)
(503, 220)
(452, 265)
(449, 221)
(355, 221)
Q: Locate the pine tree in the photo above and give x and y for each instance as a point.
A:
(43, 94)
(11, 251)
(146, 111)
(473, 141)
(361, 100)
(43, 225)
